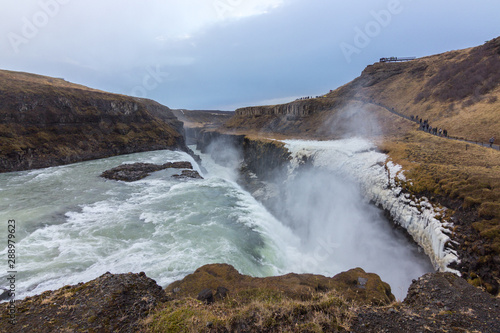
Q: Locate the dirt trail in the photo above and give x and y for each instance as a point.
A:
(468, 141)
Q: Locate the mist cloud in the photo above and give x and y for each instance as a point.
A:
(340, 230)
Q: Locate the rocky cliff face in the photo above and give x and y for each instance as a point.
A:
(46, 122)
(297, 109)
(300, 118)
(440, 302)
(267, 159)
(198, 121)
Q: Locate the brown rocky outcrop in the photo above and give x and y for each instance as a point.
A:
(137, 171)
(355, 284)
(440, 302)
(110, 303)
(185, 174)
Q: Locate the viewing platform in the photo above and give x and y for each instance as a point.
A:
(397, 59)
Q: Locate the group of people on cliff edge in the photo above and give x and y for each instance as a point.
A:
(426, 127)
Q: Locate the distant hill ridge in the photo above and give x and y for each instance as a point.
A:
(457, 90)
(46, 121)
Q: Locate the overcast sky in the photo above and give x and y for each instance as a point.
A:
(223, 54)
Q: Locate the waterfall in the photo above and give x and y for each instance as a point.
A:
(378, 179)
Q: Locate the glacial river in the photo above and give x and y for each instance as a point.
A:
(73, 226)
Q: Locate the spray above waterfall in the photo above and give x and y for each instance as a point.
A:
(339, 228)
(358, 161)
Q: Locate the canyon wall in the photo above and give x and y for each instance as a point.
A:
(46, 122)
(300, 108)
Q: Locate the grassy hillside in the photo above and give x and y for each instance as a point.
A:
(26, 82)
(457, 90)
(46, 121)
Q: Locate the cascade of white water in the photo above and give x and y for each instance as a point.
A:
(378, 179)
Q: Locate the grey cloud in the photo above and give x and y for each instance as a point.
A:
(292, 50)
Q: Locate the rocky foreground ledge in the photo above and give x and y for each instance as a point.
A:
(216, 298)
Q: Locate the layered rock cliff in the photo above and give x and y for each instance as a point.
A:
(46, 122)
(293, 110)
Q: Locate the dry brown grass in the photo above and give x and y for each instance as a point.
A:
(261, 311)
(469, 176)
(289, 303)
(25, 81)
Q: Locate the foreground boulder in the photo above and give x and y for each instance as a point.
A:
(355, 284)
(217, 298)
(110, 303)
(437, 302)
